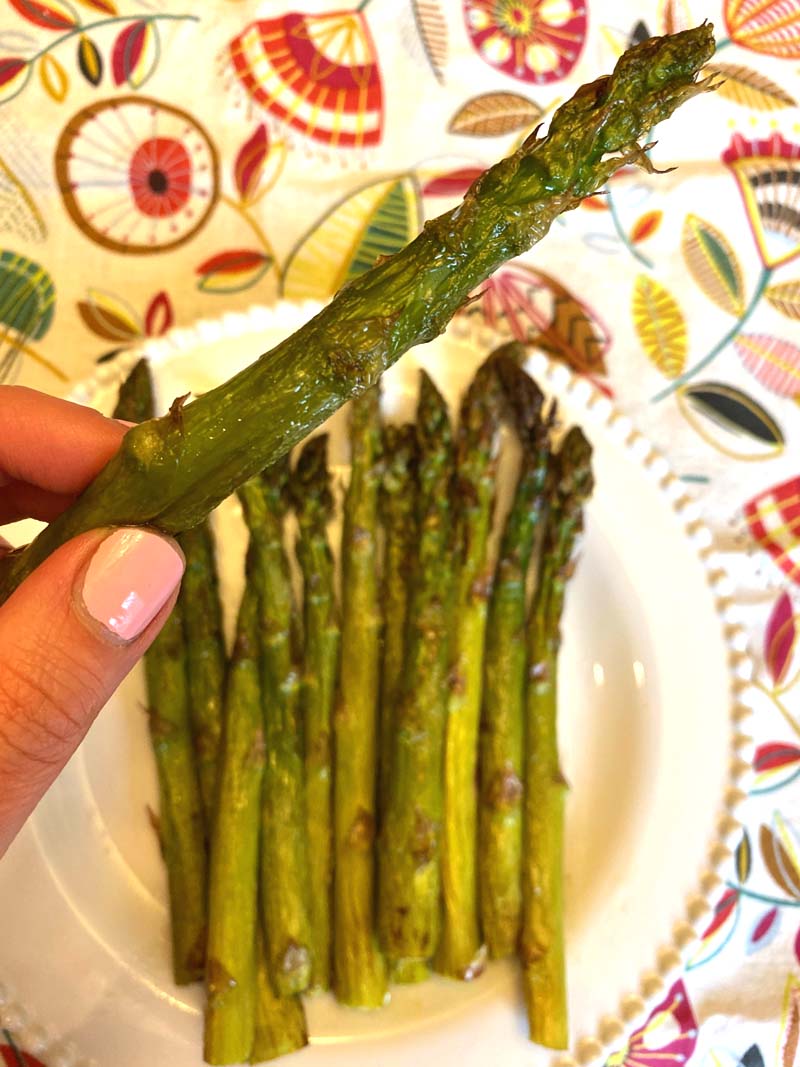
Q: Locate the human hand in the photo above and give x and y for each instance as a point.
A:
(72, 631)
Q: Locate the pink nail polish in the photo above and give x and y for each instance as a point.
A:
(129, 579)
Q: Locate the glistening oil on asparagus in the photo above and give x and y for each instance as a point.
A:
(171, 472)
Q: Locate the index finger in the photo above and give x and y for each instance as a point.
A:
(53, 444)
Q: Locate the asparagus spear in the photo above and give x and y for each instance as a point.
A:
(313, 503)
(135, 397)
(542, 940)
(280, 1021)
(233, 883)
(173, 471)
(180, 826)
(397, 502)
(502, 726)
(205, 655)
(409, 900)
(180, 819)
(460, 954)
(284, 854)
(359, 970)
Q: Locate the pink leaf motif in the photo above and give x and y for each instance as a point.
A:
(10, 67)
(159, 315)
(453, 183)
(773, 361)
(776, 764)
(233, 271)
(250, 162)
(764, 931)
(797, 945)
(128, 54)
(779, 638)
(668, 1036)
(722, 910)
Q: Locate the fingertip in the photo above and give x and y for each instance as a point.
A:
(132, 574)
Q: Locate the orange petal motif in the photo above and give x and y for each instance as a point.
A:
(318, 74)
(249, 164)
(49, 14)
(771, 27)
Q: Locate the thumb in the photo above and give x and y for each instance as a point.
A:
(69, 635)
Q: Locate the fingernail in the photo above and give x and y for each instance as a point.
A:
(126, 424)
(129, 580)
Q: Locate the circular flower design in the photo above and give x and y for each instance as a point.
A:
(768, 26)
(768, 175)
(533, 40)
(136, 175)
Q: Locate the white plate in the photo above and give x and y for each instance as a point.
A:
(652, 676)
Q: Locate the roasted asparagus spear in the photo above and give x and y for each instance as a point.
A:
(284, 850)
(542, 940)
(233, 885)
(173, 471)
(503, 718)
(280, 1021)
(180, 820)
(460, 954)
(398, 516)
(410, 856)
(313, 503)
(359, 969)
(135, 398)
(205, 655)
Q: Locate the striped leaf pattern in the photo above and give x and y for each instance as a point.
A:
(785, 298)
(660, 326)
(376, 220)
(713, 264)
(774, 362)
(493, 114)
(748, 88)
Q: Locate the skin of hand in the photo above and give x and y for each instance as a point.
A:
(73, 629)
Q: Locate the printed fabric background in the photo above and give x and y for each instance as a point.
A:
(162, 162)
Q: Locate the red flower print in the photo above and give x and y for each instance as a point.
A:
(160, 176)
(136, 175)
(533, 40)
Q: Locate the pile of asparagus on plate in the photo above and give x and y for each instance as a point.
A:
(251, 828)
(368, 787)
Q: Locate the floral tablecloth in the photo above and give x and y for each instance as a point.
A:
(162, 162)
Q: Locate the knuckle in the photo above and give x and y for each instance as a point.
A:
(46, 703)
